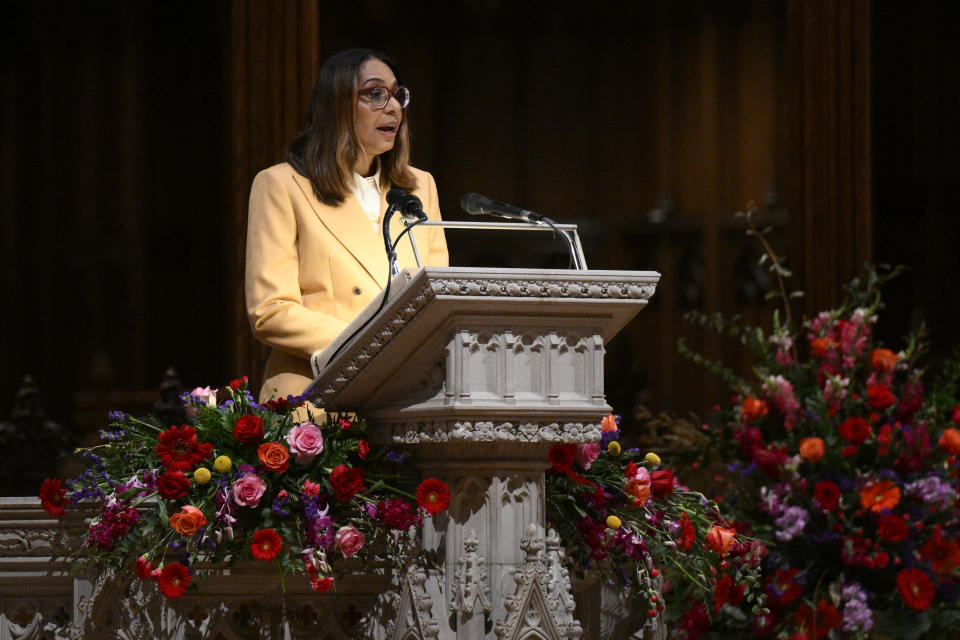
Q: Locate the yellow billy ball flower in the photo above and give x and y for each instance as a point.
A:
(653, 458)
(613, 448)
(201, 475)
(613, 522)
(222, 464)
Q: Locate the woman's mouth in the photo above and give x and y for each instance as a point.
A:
(388, 129)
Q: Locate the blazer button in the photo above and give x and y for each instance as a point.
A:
(357, 291)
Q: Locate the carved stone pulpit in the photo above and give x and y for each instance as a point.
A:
(481, 371)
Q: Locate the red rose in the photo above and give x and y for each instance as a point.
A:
(892, 528)
(346, 481)
(249, 429)
(562, 457)
(53, 498)
(827, 494)
(950, 441)
(172, 485)
(855, 430)
(662, 483)
(880, 397)
(916, 588)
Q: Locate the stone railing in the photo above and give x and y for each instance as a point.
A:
(39, 599)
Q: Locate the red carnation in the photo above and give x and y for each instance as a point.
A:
(662, 483)
(53, 498)
(892, 528)
(172, 485)
(827, 494)
(143, 567)
(363, 448)
(562, 457)
(249, 429)
(855, 430)
(944, 555)
(955, 415)
(266, 544)
(818, 624)
(346, 481)
(879, 397)
(174, 579)
(784, 587)
(239, 382)
(179, 450)
(433, 495)
(688, 532)
(916, 588)
(727, 591)
(321, 585)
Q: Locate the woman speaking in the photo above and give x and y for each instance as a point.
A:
(315, 256)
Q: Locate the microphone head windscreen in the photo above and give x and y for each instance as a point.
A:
(396, 195)
(473, 203)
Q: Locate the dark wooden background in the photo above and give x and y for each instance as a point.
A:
(130, 132)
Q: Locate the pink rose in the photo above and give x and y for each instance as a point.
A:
(248, 490)
(205, 395)
(349, 540)
(587, 453)
(305, 441)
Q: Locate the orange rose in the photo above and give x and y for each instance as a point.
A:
(822, 346)
(883, 360)
(877, 496)
(609, 423)
(274, 456)
(950, 441)
(812, 449)
(752, 409)
(188, 521)
(720, 539)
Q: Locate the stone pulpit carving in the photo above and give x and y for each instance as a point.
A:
(482, 370)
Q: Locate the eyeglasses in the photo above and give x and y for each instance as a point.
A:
(378, 97)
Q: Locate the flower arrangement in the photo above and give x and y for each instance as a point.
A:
(243, 481)
(625, 514)
(847, 464)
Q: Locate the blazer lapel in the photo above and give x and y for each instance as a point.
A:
(350, 226)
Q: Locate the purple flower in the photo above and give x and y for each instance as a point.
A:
(791, 523)
(857, 617)
(394, 456)
(933, 490)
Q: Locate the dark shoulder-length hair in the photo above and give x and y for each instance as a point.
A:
(327, 149)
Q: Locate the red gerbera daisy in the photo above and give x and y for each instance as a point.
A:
(916, 588)
(433, 495)
(179, 449)
(266, 544)
(944, 555)
(52, 498)
(174, 580)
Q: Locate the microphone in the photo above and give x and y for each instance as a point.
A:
(407, 204)
(476, 204)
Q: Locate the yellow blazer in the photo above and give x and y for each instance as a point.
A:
(311, 268)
